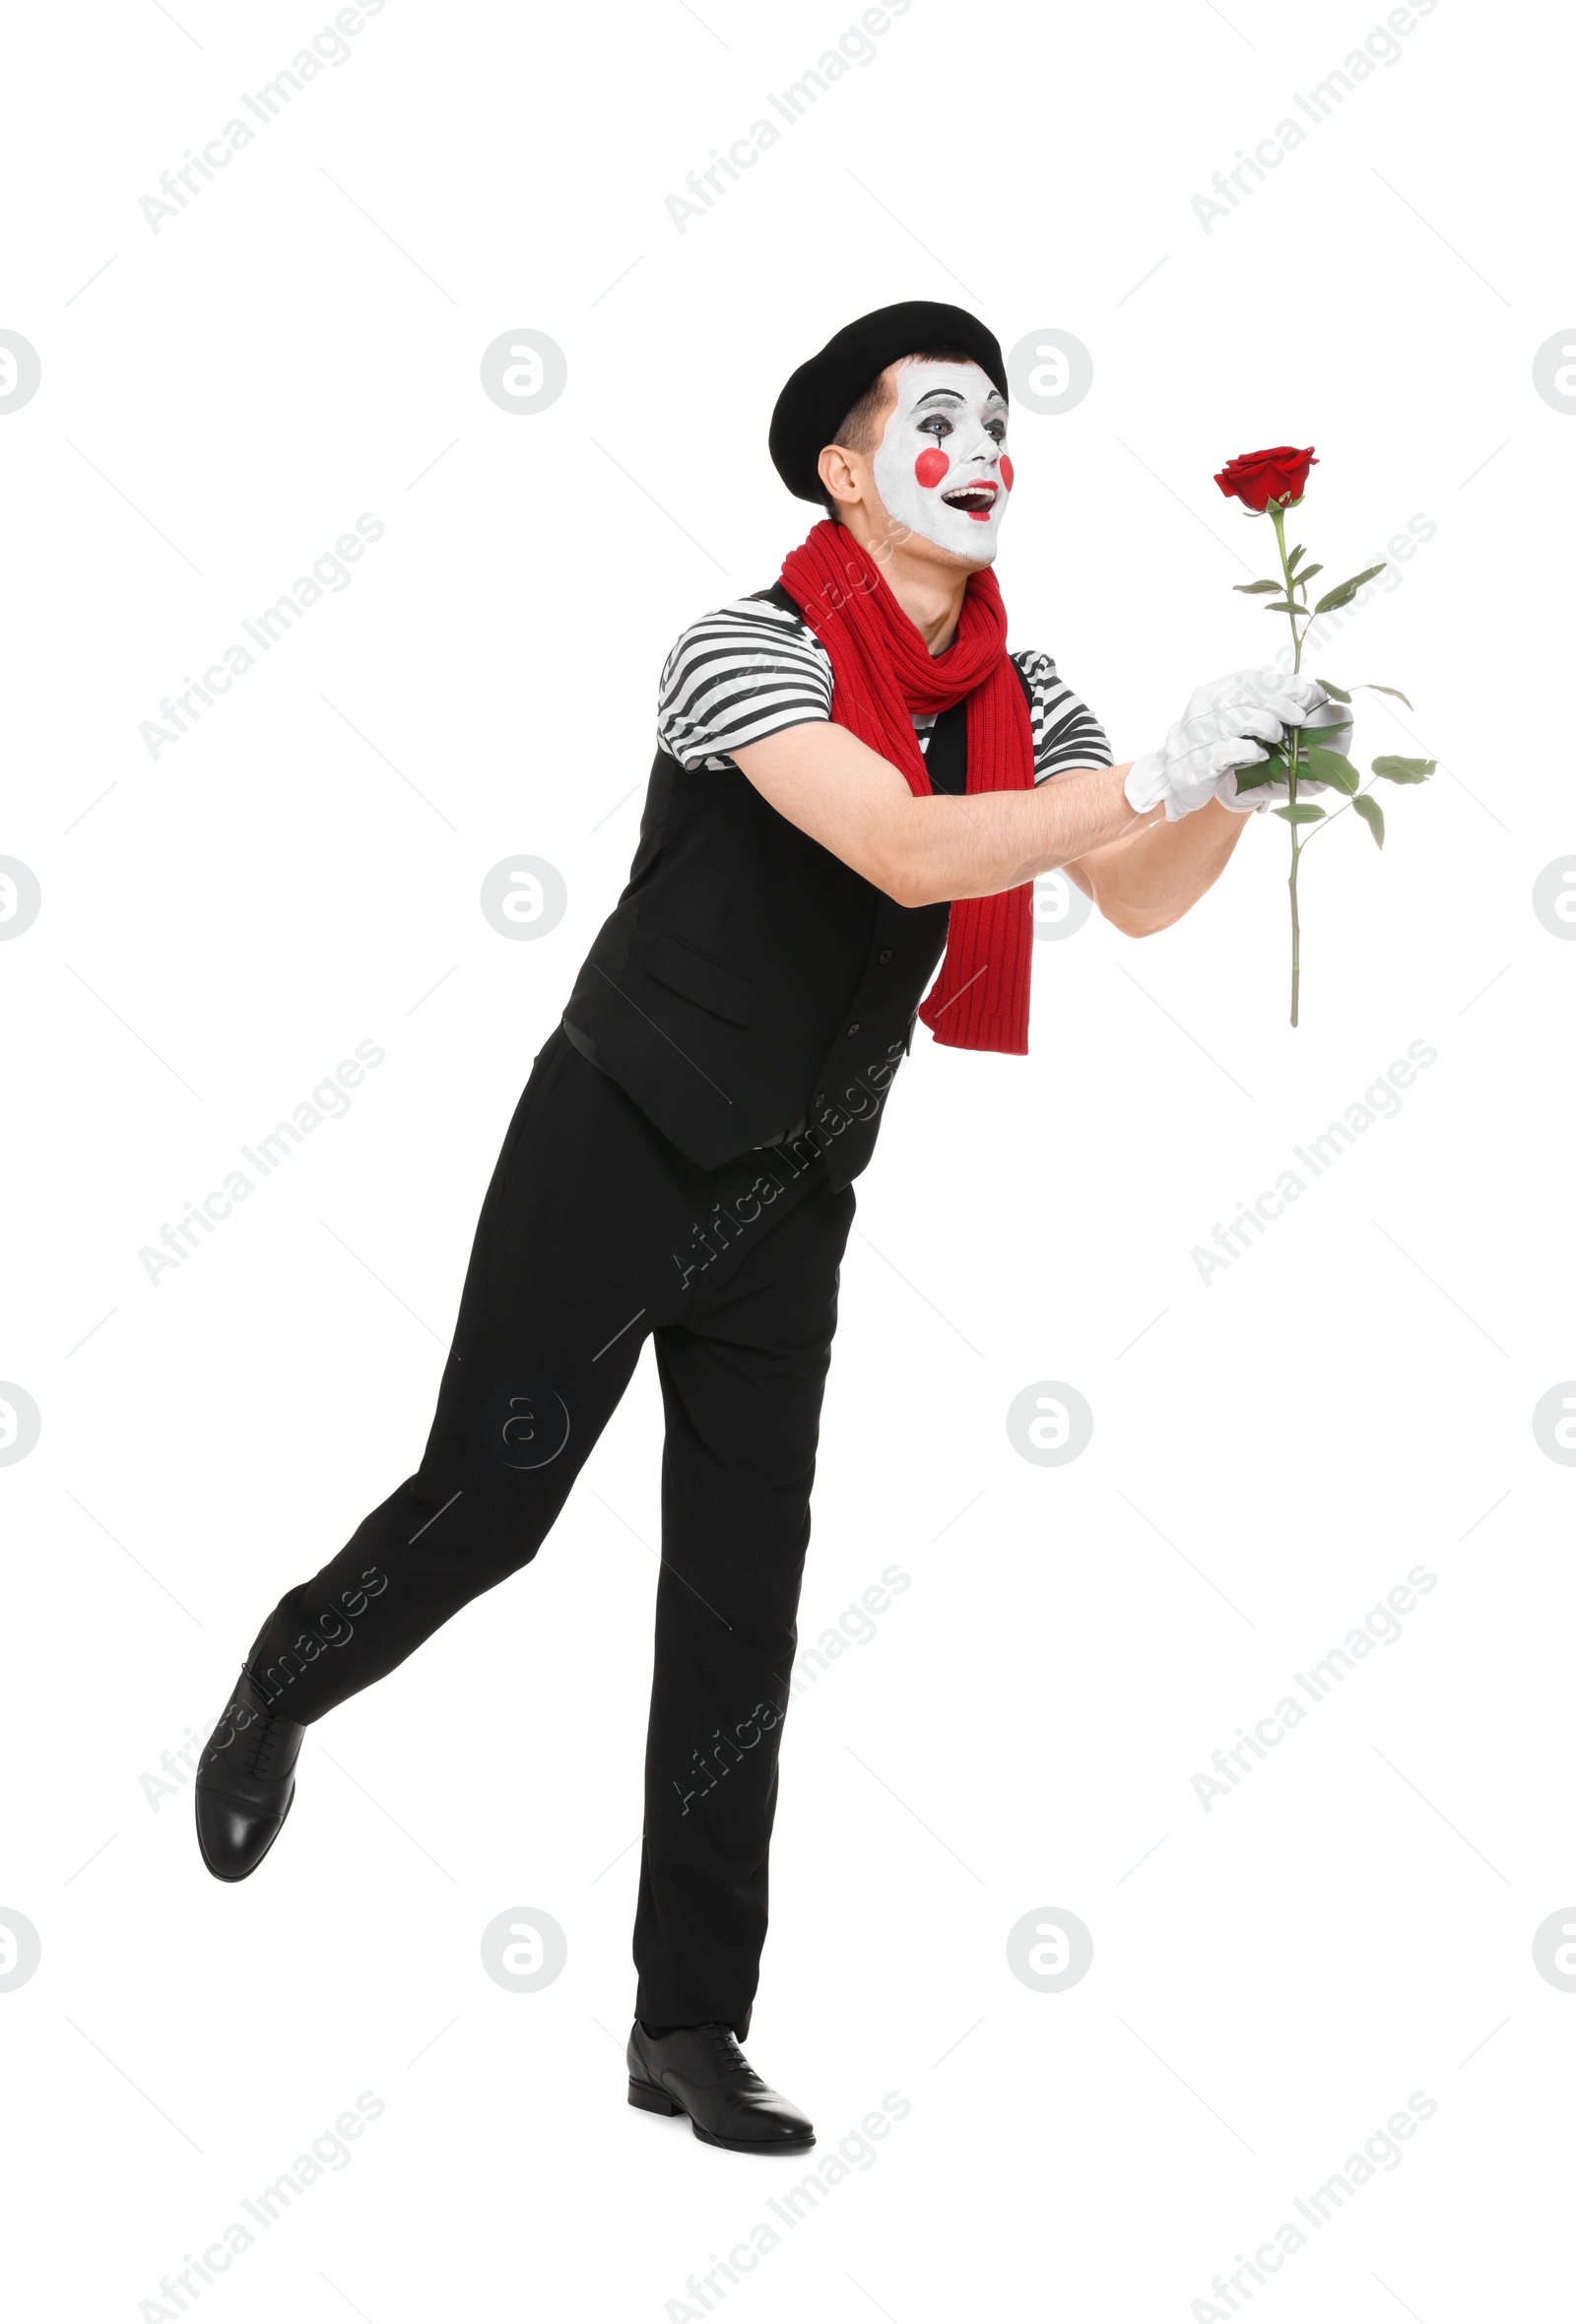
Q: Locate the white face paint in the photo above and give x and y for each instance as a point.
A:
(941, 468)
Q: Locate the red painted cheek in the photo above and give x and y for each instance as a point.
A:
(931, 467)
(1006, 472)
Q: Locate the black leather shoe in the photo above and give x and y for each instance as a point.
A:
(700, 2070)
(245, 1783)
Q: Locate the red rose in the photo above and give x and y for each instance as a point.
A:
(1257, 478)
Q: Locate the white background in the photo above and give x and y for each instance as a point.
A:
(1272, 1980)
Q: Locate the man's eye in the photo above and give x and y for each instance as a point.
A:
(996, 430)
(936, 424)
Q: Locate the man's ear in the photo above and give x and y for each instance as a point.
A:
(836, 471)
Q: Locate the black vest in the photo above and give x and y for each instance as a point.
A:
(747, 979)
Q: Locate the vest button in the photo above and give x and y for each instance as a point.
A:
(854, 1027)
(886, 956)
(819, 1098)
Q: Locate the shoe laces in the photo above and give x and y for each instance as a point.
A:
(725, 2048)
(254, 1748)
(273, 1738)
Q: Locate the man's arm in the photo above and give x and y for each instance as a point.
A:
(1145, 880)
(938, 848)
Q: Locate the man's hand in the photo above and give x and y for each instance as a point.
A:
(1334, 735)
(1223, 728)
(1148, 879)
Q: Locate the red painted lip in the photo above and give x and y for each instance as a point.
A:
(982, 485)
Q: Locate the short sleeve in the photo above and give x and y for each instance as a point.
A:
(1066, 731)
(736, 676)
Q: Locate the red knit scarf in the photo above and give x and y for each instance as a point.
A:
(881, 670)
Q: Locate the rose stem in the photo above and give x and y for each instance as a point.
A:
(1278, 519)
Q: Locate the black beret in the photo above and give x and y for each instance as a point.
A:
(823, 391)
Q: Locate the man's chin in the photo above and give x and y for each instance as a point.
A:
(965, 551)
(963, 555)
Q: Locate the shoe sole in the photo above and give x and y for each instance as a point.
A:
(231, 1879)
(652, 2100)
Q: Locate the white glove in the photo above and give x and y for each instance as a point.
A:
(1221, 730)
(1334, 737)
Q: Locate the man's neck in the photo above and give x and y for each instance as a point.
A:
(931, 595)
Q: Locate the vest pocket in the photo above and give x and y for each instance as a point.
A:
(703, 980)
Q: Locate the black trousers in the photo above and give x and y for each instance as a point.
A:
(595, 1233)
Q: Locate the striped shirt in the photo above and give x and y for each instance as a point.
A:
(751, 669)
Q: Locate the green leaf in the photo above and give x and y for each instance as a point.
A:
(1336, 696)
(1251, 778)
(1291, 561)
(1308, 572)
(1374, 815)
(1255, 588)
(1347, 590)
(1282, 605)
(1302, 813)
(1404, 770)
(1372, 688)
(1329, 766)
